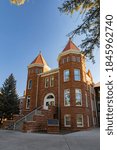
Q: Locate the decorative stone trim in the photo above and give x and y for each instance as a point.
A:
(53, 71)
(71, 51)
(35, 65)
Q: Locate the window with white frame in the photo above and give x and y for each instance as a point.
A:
(79, 120)
(51, 81)
(28, 102)
(29, 84)
(78, 97)
(67, 120)
(66, 75)
(67, 97)
(46, 82)
(77, 74)
(86, 99)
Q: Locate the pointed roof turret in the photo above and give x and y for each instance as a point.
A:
(39, 61)
(70, 48)
(70, 45)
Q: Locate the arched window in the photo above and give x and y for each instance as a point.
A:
(49, 100)
(50, 96)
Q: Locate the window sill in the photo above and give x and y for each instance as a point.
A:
(67, 125)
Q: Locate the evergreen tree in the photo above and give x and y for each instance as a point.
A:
(90, 26)
(1, 106)
(10, 97)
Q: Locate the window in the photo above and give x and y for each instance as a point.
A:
(78, 97)
(64, 60)
(46, 82)
(77, 74)
(86, 99)
(50, 97)
(40, 70)
(66, 75)
(37, 71)
(51, 81)
(91, 89)
(93, 105)
(77, 59)
(29, 84)
(28, 102)
(67, 97)
(79, 120)
(74, 58)
(68, 59)
(67, 120)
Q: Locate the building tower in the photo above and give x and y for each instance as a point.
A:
(37, 66)
(74, 98)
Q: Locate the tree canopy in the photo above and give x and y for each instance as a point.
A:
(90, 26)
(18, 2)
(9, 103)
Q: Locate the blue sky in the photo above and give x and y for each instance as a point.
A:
(28, 29)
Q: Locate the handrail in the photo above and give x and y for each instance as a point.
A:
(26, 116)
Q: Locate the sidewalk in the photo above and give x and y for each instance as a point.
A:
(83, 140)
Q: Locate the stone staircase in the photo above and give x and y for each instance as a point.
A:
(36, 120)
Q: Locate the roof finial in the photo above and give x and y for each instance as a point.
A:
(70, 38)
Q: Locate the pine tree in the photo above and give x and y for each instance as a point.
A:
(1, 106)
(90, 27)
(10, 97)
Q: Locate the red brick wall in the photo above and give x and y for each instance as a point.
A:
(58, 92)
(33, 91)
(73, 110)
(42, 91)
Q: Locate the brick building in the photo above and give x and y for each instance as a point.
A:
(97, 96)
(65, 94)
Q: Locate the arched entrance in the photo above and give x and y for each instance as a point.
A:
(49, 100)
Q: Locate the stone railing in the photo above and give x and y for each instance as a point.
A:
(29, 117)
